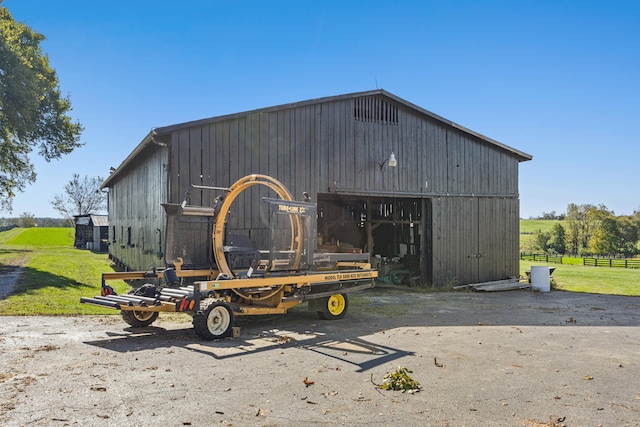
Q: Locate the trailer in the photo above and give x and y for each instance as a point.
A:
(245, 280)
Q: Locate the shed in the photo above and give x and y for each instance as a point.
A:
(92, 232)
(419, 192)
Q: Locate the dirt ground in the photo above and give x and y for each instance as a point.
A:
(516, 358)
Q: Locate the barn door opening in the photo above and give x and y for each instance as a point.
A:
(390, 229)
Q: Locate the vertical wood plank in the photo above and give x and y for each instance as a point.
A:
(224, 165)
(195, 164)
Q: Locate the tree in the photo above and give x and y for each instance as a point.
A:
(81, 197)
(629, 235)
(33, 114)
(606, 238)
(582, 221)
(27, 220)
(541, 240)
(551, 215)
(557, 239)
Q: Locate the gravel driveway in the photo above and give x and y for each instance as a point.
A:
(516, 358)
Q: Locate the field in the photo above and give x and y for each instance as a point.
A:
(597, 280)
(55, 274)
(530, 226)
(575, 277)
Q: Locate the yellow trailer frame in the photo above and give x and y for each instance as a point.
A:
(223, 293)
(326, 292)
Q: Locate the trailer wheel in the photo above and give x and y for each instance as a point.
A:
(214, 320)
(334, 307)
(139, 319)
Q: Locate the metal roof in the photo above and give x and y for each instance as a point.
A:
(97, 220)
(100, 220)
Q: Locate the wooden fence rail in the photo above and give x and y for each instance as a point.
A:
(611, 262)
(557, 259)
(593, 262)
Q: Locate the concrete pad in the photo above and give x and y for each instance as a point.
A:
(516, 358)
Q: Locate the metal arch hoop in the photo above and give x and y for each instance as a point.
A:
(234, 191)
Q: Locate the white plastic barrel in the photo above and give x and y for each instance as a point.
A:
(540, 278)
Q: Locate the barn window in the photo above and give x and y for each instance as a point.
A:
(113, 234)
(375, 109)
(129, 237)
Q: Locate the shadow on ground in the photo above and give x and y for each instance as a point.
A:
(378, 310)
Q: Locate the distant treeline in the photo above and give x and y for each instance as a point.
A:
(588, 230)
(27, 221)
(550, 215)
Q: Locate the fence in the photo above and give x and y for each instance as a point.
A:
(611, 262)
(556, 259)
(593, 262)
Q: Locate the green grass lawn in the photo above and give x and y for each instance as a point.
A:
(40, 237)
(55, 274)
(597, 280)
(573, 276)
(530, 226)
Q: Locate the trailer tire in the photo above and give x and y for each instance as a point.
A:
(139, 319)
(334, 307)
(214, 320)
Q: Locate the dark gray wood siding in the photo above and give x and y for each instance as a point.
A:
(322, 148)
(136, 218)
(337, 145)
(475, 239)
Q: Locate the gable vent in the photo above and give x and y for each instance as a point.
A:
(375, 109)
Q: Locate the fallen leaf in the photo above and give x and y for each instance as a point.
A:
(47, 347)
(435, 362)
(587, 377)
(307, 382)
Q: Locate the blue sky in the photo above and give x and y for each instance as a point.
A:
(559, 80)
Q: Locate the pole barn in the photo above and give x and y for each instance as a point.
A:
(431, 201)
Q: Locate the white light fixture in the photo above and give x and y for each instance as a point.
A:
(391, 160)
